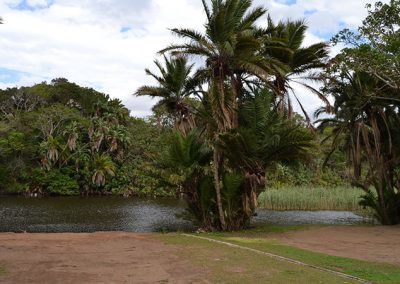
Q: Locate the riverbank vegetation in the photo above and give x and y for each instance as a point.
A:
(312, 198)
(62, 139)
(224, 128)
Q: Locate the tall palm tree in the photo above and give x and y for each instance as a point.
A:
(230, 48)
(284, 42)
(175, 84)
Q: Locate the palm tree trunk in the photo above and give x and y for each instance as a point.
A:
(216, 162)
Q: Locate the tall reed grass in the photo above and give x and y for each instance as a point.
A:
(311, 198)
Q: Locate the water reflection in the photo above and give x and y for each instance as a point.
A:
(75, 214)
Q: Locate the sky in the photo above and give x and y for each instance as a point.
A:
(106, 44)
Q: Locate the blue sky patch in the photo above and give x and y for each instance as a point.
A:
(310, 12)
(125, 29)
(287, 2)
(24, 6)
(10, 76)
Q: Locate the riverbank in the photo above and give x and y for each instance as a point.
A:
(122, 257)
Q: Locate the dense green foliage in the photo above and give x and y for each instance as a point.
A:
(223, 128)
(364, 81)
(62, 139)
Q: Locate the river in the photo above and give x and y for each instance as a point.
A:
(76, 214)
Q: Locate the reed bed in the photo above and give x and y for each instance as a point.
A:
(311, 198)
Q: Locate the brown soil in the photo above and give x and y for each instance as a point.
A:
(377, 244)
(111, 257)
(117, 257)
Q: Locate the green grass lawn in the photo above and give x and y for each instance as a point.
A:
(311, 198)
(224, 264)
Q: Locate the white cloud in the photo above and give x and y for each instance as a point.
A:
(82, 41)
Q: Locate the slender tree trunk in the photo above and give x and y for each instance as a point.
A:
(216, 161)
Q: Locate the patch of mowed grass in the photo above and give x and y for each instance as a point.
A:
(312, 198)
(223, 264)
(263, 230)
(372, 271)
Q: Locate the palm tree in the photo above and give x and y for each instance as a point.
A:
(98, 131)
(72, 130)
(103, 166)
(284, 42)
(118, 138)
(51, 149)
(230, 48)
(175, 85)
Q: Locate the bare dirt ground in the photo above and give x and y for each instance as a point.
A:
(118, 257)
(113, 257)
(376, 244)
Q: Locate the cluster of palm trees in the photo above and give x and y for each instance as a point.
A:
(92, 146)
(234, 114)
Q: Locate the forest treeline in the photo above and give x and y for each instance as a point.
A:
(58, 138)
(224, 128)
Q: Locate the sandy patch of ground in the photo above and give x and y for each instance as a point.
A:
(377, 244)
(112, 257)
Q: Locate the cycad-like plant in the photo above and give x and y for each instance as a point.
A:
(263, 139)
(190, 156)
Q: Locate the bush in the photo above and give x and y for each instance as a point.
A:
(302, 175)
(57, 182)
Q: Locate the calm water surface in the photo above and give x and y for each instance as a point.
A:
(74, 214)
